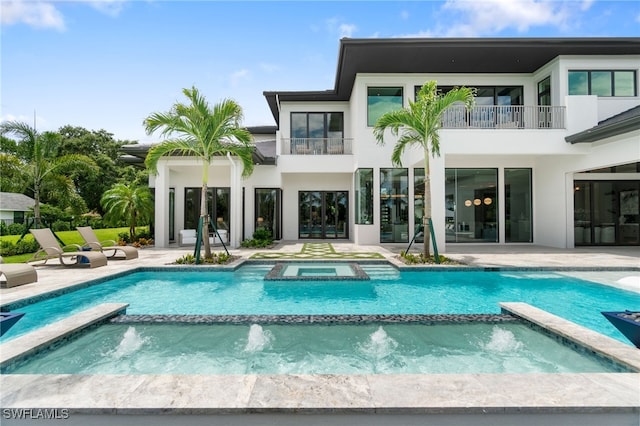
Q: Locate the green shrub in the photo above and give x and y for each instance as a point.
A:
(23, 246)
(261, 238)
(217, 258)
(15, 229)
(60, 225)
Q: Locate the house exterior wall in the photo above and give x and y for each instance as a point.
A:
(554, 163)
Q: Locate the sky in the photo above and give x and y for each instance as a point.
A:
(108, 64)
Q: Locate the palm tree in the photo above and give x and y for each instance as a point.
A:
(43, 169)
(127, 203)
(198, 130)
(418, 124)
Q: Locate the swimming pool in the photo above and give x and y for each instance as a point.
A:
(461, 348)
(389, 291)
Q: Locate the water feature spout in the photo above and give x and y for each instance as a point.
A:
(258, 339)
(131, 342)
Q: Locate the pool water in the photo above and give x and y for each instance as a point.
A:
(245, 292)
(312, 349)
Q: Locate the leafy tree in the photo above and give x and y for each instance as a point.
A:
(131, 204)
(419, 124)
(104, 150)
(46, 172)
(198, 130)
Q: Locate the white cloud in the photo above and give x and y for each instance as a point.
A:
(267, 67)
(463, 18)
(108, 7)
(336, 26)
(494, 16)
(404, 15)
(36, 14)
(346, 30)
(237, 77)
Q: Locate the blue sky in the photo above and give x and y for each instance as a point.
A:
(107, 64)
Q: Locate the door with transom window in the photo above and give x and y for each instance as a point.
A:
(323, 214)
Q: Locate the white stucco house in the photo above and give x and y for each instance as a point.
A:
(14, 207)
(550, 155)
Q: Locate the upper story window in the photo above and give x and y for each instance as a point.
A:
(381, 100)
(603, 83)
(317, 125)
(544, 92)
(491, 95)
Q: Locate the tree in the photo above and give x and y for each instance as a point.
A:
(198, 130)
(131, 204)
(104, 150)
(47, 173)
(419, 124)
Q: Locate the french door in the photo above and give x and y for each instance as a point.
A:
(323, 214)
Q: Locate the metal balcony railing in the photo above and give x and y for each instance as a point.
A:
(504, 117)
(316, 146)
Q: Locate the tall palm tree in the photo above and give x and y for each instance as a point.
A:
(127, 203)
(419, 124)
(198, 130)
(43, 167)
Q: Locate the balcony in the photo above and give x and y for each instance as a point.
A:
(504, 117)
(316, 146)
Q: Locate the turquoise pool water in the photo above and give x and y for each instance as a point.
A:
(388, 292)
(471, 348)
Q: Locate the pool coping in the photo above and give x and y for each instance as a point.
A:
(595, 393)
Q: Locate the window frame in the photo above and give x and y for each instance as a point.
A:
(326, 123)
(612, 80)
(402, 102)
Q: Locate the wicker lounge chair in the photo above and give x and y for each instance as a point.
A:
(108, 247)
(51, 250)
(16, 274)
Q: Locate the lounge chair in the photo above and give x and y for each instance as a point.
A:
(108, 247)
(51, 250)
(16, 274)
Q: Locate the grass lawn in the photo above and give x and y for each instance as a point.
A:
(69, 237)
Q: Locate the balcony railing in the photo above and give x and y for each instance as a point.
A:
(316, 146)
(504, 117)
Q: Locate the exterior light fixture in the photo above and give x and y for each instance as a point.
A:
(467, 203)
(477, 202)
(487, 201)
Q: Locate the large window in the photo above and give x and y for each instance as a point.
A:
(606, 212)
(492, 95)
(269, 210)
(218, 207)
(381, 100)
(472, 205)
(544, 92)
(364, 196)
(418, 203)
(517, 208)
(317, 125)
(394, 205)
(603, 83)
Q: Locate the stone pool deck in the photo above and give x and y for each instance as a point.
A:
(478, 399)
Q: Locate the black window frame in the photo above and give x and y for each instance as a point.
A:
(326, 122)
(612, 79)
(402, 96)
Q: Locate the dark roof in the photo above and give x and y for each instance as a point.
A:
(10, 201)
(624, 122)
(449, 55)
(264, 153)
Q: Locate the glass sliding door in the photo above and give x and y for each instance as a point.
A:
(394, 205)
(268, 212)
(217, 206)
(606, 212)
(323, 214)
(418, 203)
(517, 208)
(472, 205)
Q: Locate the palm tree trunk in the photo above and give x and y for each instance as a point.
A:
(427, 206)
(36, 208)
(204, 214)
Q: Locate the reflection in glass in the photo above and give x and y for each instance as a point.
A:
(364, 196)
(267, 212)
(518, 209)
(624, 83)
(601, 83)
(323, 214)
(418, 202)
(381, 100)
(578, 82)
(472, 205)
(394, 205)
